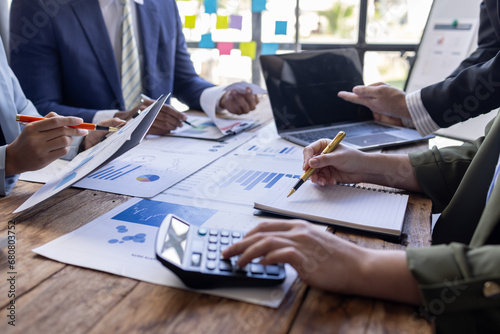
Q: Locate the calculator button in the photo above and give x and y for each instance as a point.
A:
(224, 240)
(212, 239)
(223, 248)
(214, 232)
(242, 269)
(256, 260)
(273, 270)
(202, 231)
(212, 255)
(224, 233)
(225, 266)
(212, 247)
(256, 268)
(211, 265)
(235, 240)
(196, 259)
(236, 234)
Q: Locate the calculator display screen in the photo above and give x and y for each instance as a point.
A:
(175, 241)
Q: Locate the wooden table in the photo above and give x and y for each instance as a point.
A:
(53, 297)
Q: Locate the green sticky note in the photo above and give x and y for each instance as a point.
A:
(248, 49)
(222, 22)
(190, 21)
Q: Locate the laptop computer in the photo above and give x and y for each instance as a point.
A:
(303, 89)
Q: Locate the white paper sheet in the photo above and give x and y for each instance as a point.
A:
(87, 161)
(156, 164)
(122, 242)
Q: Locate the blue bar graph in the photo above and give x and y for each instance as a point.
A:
(112, 173)
(249, 179)
(268, 151)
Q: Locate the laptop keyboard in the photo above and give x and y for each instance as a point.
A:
(351, 131)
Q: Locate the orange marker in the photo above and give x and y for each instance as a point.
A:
(85, 126)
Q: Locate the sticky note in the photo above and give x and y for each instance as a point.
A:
(225, 48)
(210, 6)
(258, 6)
(235, 21)
(222, 22)
(189, 21)
(280, 28)
(206, 42)
(248, 49)
(269, 48)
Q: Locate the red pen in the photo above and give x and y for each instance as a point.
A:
(85, 126)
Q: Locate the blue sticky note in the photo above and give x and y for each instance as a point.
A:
(258, 6)
(269, 48)
(280, 28)
(211, 6)
(206, 42)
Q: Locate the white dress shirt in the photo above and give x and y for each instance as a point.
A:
(422, 121)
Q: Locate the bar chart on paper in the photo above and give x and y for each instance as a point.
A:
(238, 179)
(275, 148)
(155, 165)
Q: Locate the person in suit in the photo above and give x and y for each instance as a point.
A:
(472, 89)
(68, 56)
(457, 279)
(38, 143)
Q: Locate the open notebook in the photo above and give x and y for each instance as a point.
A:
(342, 205)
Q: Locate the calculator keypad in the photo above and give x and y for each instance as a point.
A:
(211, 260)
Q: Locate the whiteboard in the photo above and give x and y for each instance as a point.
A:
(442, 48)
(449, 37)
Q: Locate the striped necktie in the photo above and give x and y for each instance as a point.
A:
(131, 68)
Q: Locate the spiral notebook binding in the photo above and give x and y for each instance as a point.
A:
(355, 185)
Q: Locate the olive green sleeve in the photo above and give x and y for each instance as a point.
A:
(452, 280)
(439, 171)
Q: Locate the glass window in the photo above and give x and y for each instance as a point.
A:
(396, 21)
(389, 67)
(329, 21)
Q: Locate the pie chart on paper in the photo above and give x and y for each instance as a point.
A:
(148, 178)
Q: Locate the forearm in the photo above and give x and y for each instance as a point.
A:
(390, 170)
(385, 274)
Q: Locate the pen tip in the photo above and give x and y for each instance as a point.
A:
(291, 193)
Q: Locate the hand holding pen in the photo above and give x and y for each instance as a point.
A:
(329, 148)
(168, 118)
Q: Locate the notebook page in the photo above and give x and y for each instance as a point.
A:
(343, 205)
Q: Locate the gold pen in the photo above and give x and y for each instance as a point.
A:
(333, 145)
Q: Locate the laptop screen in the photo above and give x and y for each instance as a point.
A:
(303, 87)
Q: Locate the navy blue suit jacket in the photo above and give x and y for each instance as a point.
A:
(62, 55)
(474, 87)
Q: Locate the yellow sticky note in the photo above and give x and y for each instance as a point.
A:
(248, 49)
(190, 21)
(222, 22)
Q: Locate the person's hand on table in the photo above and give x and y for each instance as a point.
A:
(320, 258)
(41, 142)
(239, 103)
(387, 103)
(94, 137)
(168, 118)
(325, 261)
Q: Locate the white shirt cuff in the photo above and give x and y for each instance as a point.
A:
(210, 98)
(423, 122)
(103, 115)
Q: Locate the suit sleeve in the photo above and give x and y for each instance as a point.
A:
(439, 171)
(451, 282)
(35, 60)
(473, 87)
